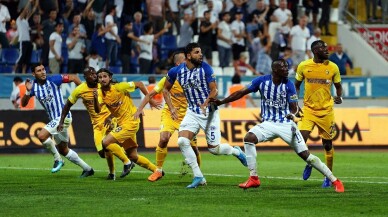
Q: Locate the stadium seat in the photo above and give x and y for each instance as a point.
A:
(9, 56)
(115, 69)
(35, 56)
(229, 71)
(6, 69)
(217, 70)
(168, 42)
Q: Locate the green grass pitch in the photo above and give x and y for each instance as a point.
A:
(27, 188)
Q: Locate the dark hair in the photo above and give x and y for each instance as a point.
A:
(34, 65)
(151, 80)
(93, 52)
(236, 79)
(17, 79)
(206, 12)
(88, 69)
(317, 43)
(276, 62)
(104, 70)
(190, 47)
(147, 27)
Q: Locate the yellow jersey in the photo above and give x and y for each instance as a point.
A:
(178, 98)
(86, 94)
(318, 79)
(119, 102)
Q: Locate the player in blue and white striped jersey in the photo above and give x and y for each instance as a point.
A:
(199, 85)
(279, 108)
(47, 90)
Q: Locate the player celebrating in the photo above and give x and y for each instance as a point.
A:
(115, 96)
(318, 75)
(198, 82)
(170, 119)
(279, 104)
(85, 91)
(47, 91)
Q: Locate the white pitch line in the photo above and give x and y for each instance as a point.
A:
(345, 179)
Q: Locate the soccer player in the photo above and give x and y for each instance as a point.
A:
(47, 90)
(318, 75)
(170, 119)
(85, 91)
(279, 108)
(115, 96)
(199, 85)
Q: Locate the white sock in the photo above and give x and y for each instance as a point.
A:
(321, 167)
(250, 152)
(73, 157)
(226, 149)
(49, 144)
(190, 158)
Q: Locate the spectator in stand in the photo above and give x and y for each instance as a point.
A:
(371, 18)
(315, 37)
(4, 18)
(186, 31)
(25, 45)
(239, 36)
(264, 61)
(88, 21)
(239, 7)
(12, 34)
(19, 90)
(36, 32)
(76, 47)
(145, 47)
(281, 21)
(241, 66)
(341, 59)
(298, 38)
(173, 15)
(55, 54)
(112, 38)
(94, 60)
(290, 63)
(126, 47)
(98, 39)
(205, 38)
(68, 11)
(165, 65)
(325, 16)
(138, 25)
(236, 86)
(156, 13)
(98, 9)
(77, 23)
(258, 15)
(312, 6)
(130, 8)
(187, 6)
(48, 28)
(272, 7)
(224, 40)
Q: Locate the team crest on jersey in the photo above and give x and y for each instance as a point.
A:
(212, 128)
(283, 93)
(327, 72)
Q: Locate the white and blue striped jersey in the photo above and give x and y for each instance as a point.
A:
(50, 95)
(275, 99)
(195, 84)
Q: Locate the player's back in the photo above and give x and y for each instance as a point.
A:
(318, 79)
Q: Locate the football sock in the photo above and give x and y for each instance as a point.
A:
(49, 144)
(188, 153)
(73, 157)
(145, 163)
(161, 154)
(110, 160)
(321, 167)
(226, 149)
(329, 156)
(118, 151)
(250, 152)
(199, 159)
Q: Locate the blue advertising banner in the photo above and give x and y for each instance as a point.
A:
(353, 87)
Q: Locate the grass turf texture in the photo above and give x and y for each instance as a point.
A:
(27, 188)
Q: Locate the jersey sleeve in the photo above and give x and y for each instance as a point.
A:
(299, 72)
(291, 92)
(74, 96)
(337, 75)
(126, 86)
(56, 79)
(159, 86)
(172, 74)
(255, 84)
(209, 73)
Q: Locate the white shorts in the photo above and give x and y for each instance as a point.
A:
(287, 131)
(210, 124)
(63, 136)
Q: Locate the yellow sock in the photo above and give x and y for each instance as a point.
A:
(329, 155)
(145, 163)
(199, 159)
(110, 160)
(118, 152)
(161, 154)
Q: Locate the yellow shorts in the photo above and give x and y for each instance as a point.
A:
(325, 124)
(126, 131)
(170, 125)
(99, 132)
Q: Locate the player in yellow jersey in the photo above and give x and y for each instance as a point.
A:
(85, 92)
(319, 74)
(116, 97)
(170, 119)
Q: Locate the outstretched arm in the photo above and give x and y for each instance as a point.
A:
(234, 96)
(74, 78)
(143, 103)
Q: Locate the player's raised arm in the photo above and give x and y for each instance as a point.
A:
(234, 96)
(74, 78)
(27, 96)
(143, 103)
(143, 89)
